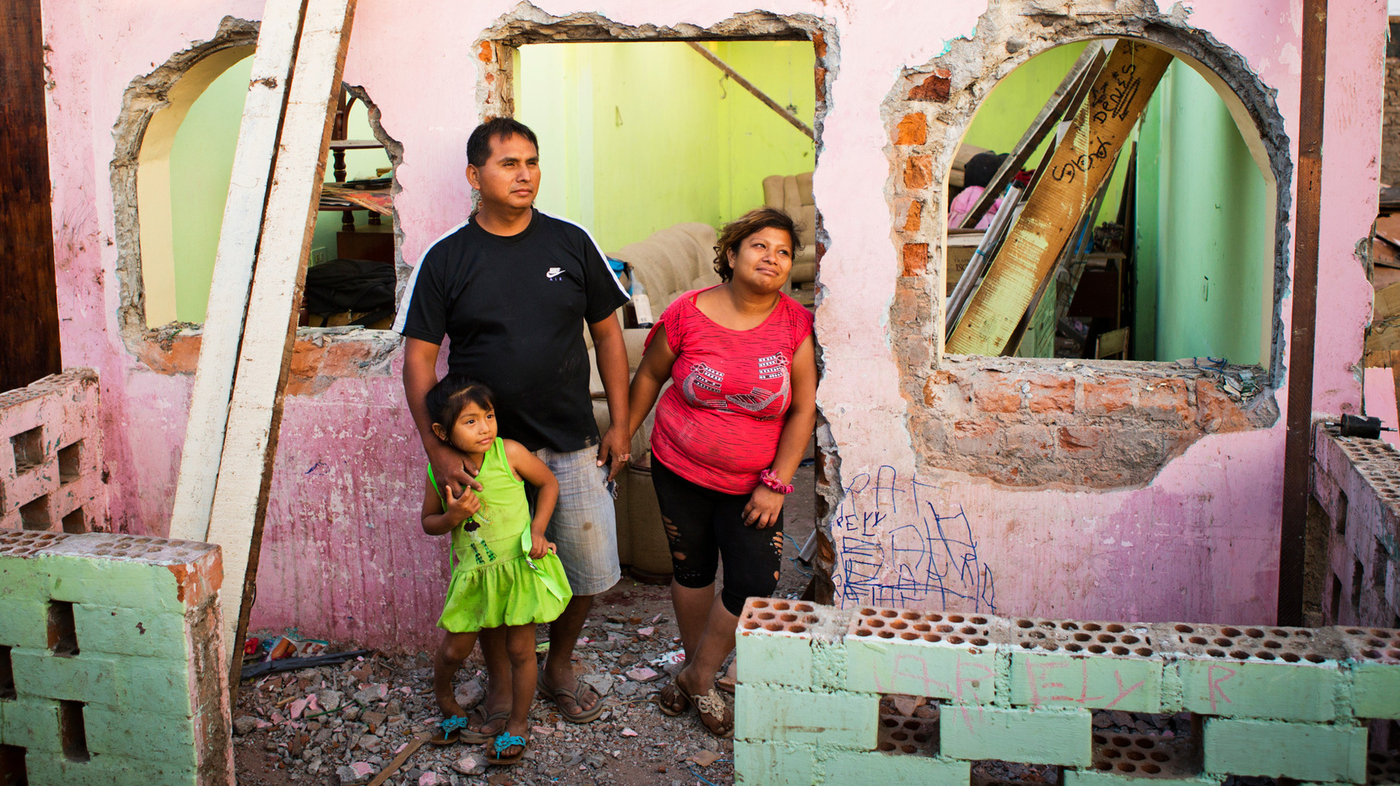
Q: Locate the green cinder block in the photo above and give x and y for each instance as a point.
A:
(86, 678)
(109, 582)
(1375, 690)
(24, 623)
(849, 767)
(831, 718)
(774, 659)
(158, 737)
(46, 767)
(30, 723)
(1299, 751)
(1280, 691)
(124, 631)
(1099, 682)
(773, 764)
(22, 579)
(959, 673)
(161, 686)
(1096, 778)
(1031, 736)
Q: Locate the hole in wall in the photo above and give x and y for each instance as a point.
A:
(13, 770)
(1341, 512)
(63, 633)
(35, 515)
(72, 731)
(1378, 567)
(7, 675)
(28, 447)
(994, 772)
(908, 725)
(1336, 602)
(1139, 744)
(75, 523)
(1357, 579)
(70, 462)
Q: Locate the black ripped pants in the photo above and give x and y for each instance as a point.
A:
(701, 524)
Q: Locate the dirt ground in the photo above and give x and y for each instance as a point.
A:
(366, 710)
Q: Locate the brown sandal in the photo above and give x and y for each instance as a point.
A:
(668, 697)
(715, 713)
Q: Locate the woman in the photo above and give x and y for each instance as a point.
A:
(728, 437)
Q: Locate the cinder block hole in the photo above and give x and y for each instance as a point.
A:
(1357, 574)
(1341, 513)
(991, 772)
(63, 634)
(7, 675)
(1378, 564)
(12, 767)
(908, 725)
(1336, 605)
(1138, 744)
(73, 522)
(35, 515)
(29, 449)
(71, 730)
(70, 461)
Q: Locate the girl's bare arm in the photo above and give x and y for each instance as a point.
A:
(528, 466)
(436, 520)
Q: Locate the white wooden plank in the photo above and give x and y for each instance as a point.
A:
(240, 496)
(233, 268)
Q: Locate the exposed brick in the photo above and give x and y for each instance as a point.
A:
(913, 215)
(1167, 400)
(912, 129)
(1215, 411)
(918, 172)
(1028, 442)
(1052, 395)
(1108, 397)
(1080, 439)
(915, 259)
(819, 77)
(1142, 447)
(935, 87)
(976, 437)
(484, 53)
(997, 395)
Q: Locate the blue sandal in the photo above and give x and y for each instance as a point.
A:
(504, 742)
(449, 729)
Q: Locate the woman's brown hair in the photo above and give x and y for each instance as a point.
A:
(739, 230)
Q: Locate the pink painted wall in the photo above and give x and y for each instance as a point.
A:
(343, 554)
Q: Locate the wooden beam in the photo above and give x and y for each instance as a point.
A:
(29, 335)
(253, 161)
(255, 411)
(1297, 443)
(1082, 160)
(1064, 100)
(749, 86)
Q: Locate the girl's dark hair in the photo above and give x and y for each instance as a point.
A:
(452, 394)
(739, 230)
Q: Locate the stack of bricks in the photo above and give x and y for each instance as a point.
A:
(875, 695)
(112, 663)
(51, 456)
(1356, 486)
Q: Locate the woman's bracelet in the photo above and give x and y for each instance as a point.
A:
(772, 481)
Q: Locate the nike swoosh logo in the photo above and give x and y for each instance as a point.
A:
(553, 272)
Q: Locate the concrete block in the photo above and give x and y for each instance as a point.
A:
(774, 642)
(159, 686)
(1274, 749)
(773, 764)
(1097, 778)
(1374, 655)
(1031, 736)
(129, 571)
(24, 623)
(944, 656)
(158, 737)
(21, 580)
(51, 767)
(30, 723)
(122, 631)
(850, 767)
(833, 719)
(1096, 682)
(87, 678)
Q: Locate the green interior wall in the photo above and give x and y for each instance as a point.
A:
(201, 163)
(635, 137)
(1202, 242)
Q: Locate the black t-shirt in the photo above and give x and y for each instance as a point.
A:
(515, 309)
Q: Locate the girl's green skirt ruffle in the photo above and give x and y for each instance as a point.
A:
(503, 593)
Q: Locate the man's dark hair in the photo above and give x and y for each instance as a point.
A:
(479, 143)
(741, 228)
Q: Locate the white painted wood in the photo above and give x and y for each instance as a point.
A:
(233, 268)
(250, 442)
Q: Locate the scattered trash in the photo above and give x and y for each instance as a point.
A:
(705, 758)
(628, 733)
(293, 664)
(647, 631)
(642, 674)
(672, 658)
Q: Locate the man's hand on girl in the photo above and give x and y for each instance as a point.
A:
(462, 506)
(453, 471)
(539, 546)
(764, 506)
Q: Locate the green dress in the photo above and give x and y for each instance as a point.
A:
(494, 581)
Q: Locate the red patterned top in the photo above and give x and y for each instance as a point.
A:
(718, 424)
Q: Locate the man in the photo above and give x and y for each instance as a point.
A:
(512, 288)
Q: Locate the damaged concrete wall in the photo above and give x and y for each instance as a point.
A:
(1180, 525)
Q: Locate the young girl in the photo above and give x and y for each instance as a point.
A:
(506, 573)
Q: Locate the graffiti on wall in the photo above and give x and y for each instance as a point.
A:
(925, 555)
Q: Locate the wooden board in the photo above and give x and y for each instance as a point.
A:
(1081, 162)
(1065, 98)
(233, 268)
(255, 410)
(29, 336)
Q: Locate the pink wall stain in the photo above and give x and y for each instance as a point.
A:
(343, 553)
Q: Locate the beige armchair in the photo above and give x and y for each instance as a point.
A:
(793, 194)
